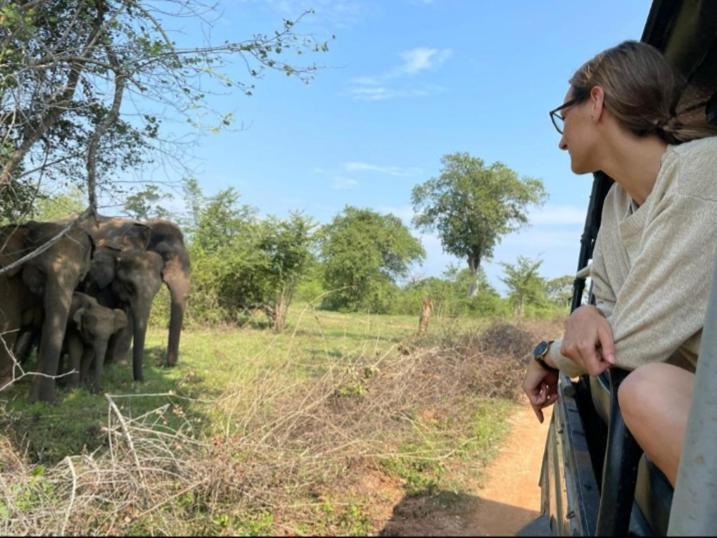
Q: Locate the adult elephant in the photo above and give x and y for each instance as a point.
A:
(16, 299)
(50, 277)
(129, 279)
(164, 238)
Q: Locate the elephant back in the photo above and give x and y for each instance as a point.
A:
(69, 255)
(118, 232)
(12, 243)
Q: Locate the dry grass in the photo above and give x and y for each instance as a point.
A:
(279, 447)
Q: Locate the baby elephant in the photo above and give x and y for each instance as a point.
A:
(89, 330)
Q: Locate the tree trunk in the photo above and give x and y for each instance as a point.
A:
(425, 316)
(101, 129)
(281, 306)
(473, 265)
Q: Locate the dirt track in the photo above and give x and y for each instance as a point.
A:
(505, 502)
(510, 498)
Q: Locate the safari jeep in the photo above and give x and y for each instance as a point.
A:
(594, 477)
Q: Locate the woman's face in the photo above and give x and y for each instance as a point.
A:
(579, 135)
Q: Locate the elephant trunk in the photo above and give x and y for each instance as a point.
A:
(140, 315)
(57, 300)
(176, 276)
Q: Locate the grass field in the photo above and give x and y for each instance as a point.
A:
(304, 417)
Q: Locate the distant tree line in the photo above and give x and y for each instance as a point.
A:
(244, 263)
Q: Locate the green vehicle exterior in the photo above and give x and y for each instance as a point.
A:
(594, 478)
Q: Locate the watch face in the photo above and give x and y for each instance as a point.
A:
(541, 349)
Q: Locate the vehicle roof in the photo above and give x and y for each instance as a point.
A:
(686, 34)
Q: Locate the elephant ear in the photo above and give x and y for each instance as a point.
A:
(120, 321)
(77, 317)
(136, 235)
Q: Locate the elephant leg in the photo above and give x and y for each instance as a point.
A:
(7, 358)
(56, 303)
(23, 344)
(118, 347)
(98, 352)
(86, 366)
(75, 351)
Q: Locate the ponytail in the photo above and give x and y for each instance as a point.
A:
(642, 92)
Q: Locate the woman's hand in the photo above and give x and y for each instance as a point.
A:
(541, 386)
(588, 340)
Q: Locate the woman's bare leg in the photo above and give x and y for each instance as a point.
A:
(655, 402)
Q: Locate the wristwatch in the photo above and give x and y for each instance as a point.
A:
(539, 353)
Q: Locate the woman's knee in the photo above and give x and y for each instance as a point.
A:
(645, 388)
(638, 389)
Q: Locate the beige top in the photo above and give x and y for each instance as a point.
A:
(652, 266)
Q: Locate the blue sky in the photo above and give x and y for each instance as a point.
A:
(404, 83)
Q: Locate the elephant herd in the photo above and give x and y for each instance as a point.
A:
(86, 293)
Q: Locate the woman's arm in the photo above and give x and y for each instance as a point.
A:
(587, 345)
(663, 300)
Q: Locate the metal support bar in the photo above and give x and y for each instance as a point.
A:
(619, 470)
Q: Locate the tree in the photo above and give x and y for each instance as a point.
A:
(68, 68)
(286, 246)
(364, 253)
(59, 206)
(525, 285)
(241, 263)
(142, 204)
(473, 206)
(560, 290)
(220, 219)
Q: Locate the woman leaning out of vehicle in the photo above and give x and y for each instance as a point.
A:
(626, 114)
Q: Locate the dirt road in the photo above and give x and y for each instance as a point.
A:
(510, 497)
(506, 501)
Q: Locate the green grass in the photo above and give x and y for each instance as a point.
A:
(211, 360)
(472, 444)
(216, 360)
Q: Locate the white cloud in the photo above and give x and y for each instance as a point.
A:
(354, 166)
(341, 183)
(366, 81)
(378, 93)
(391, 84)
(382, 93)
(422, 59)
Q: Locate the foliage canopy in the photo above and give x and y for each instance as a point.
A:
(81, 84)
(242, 263)
(364, 253)
(472, 206)
(525, 285)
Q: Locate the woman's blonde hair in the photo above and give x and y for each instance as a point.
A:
(642, 92)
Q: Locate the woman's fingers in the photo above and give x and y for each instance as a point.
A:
(607, 344)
